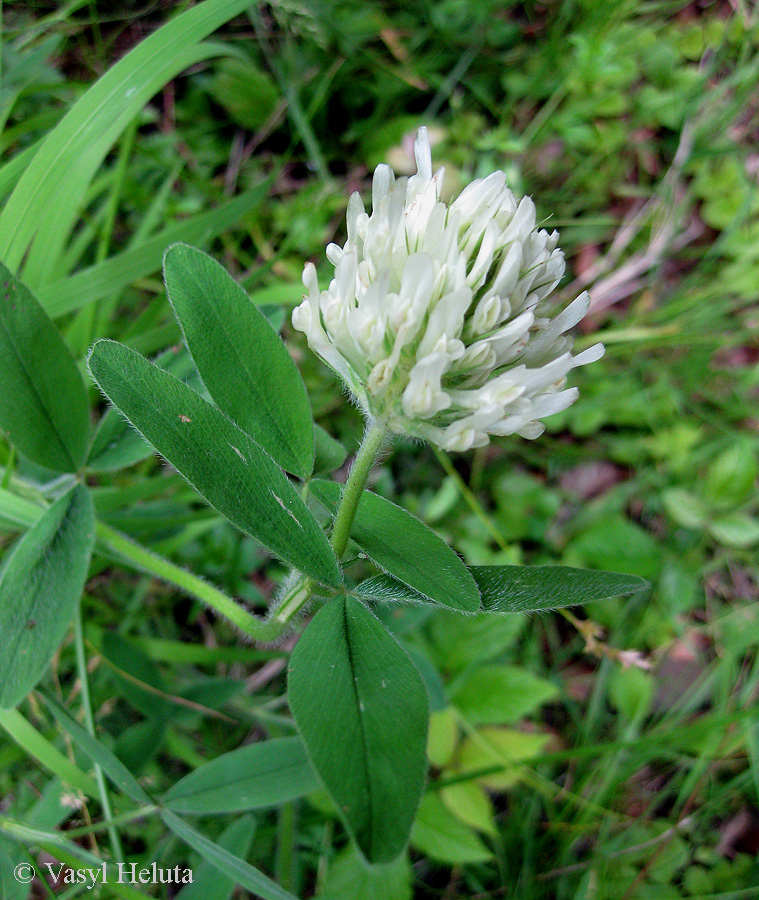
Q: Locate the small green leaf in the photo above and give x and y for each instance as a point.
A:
(498, 695)
(459, 641)
(219, 460)
(39, 589)
(240, 871)
(254, 776)
(240, 357)
(630, 692)
(330, 454)
(440, 835)
(736, 530)
(406, 548)
(501, 749)
(470, 803)
(731, 478)
(43, 401)
(367, 743)
(520, 589)
(685, 508)
(349, 876)
(113, 768)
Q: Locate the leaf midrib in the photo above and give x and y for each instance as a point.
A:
(362, 730)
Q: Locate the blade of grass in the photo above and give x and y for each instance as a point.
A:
(113, 275)
(44, 205)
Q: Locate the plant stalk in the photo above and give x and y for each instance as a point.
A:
(300, 593)
(354, 486)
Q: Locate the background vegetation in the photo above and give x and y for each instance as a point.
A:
(634, 126)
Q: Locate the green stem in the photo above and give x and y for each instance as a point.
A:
(354, 486)
(89, 722)
(300, 593)
(144, 560)
(284, 864)
(113, 543)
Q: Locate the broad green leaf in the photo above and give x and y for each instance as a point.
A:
(236, 868)
(348, 875)
(257, 775)
(498, 695)
(113, 768)
(219, 460)
(110, 277)
(207, 883)
(501, 749)
(440, 835)
(240, 357)
(43, 401)
(520, 589)
(406, 548)
(330, 454)
(39, 590)
(47, 198)
(361, 708)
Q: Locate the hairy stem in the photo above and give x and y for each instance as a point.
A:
(354, 487)
(300, 593)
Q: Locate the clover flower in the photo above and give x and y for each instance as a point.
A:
(435, 317)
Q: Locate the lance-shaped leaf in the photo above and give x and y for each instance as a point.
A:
(219, 460)
(40, 587)
(43, 401)
(406, 548)
(520, 589)
(257, 775)
(240, 357)
(361, 708)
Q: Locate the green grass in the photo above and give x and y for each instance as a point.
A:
(633, 125)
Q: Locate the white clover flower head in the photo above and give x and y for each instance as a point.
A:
(435, 318)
